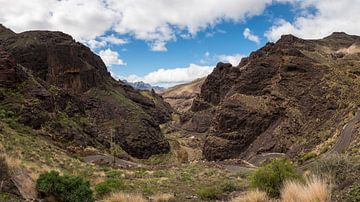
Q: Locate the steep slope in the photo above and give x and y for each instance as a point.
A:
(180, 97)
(288, 97)
(52, 83)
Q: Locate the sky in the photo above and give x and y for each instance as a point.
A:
(167, 42)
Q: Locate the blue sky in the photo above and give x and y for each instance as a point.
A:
(166, 42)
(226, 38)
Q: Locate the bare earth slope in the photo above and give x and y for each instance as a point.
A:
(180, 97)
(287, 97)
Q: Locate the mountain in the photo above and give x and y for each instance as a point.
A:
(180, 97)
(52, 83)
(144, 86)
(293, 97)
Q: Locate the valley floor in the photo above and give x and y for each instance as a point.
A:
(181, 175)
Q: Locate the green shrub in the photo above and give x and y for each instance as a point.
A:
(338, 167)
(308, 156)
(354, 194)
(228, 186)
(64, 188)
(270, 178)
(214, 192)
(114, 174)
(209, 193)
(108, 186)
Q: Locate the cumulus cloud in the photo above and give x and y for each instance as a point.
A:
(170, 77)
(330, 16)
(83, 19)
(250, 36)
(156, 21)
(113, 40)
(232, 59)
(111, 58)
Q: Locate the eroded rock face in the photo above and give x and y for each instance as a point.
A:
(283, 98)
(67, 88)
(10, 74)
(57, 58)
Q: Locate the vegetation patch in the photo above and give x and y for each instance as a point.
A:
(109, 186)
(270, 177)
(64, 188)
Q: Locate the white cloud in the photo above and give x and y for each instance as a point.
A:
(111, 58)
(232, 59)
(83, 19)
(170, 77)
(155, 21)
(113, 40)
(330, 16)
(250, 36)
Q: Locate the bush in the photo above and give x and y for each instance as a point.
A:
(308, 156)
(64, 188)
(215, 192)
(335, 166)
(108, 186)
(354, 194)
(270, 178)
(209, 193)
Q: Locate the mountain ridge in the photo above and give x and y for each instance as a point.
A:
(68, 92)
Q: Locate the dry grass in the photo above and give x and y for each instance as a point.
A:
(314, 190)
(252, 196)
(123, 197)
(182, 156)
(162, 197)
(11, 163)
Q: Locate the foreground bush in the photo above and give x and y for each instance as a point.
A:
(313, 190)
(338, 167)
(270, 178)
(108, 186)
(64, 188)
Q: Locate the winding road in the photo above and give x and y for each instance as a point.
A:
(108, 159)
(346, 135)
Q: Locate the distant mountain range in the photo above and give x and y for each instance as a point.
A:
(144, 86)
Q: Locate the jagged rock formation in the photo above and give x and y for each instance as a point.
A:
(287, 97)
(180, 97)
(53, 83)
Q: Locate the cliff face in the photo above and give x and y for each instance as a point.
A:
(287, 97)
(54, 83)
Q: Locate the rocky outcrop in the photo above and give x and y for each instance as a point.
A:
(286, 97)
(60, 86)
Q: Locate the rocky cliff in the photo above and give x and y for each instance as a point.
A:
(292, 97)
(54, 84)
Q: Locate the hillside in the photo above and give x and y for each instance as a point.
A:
(53, 84)
(180, 97)
(291, 97)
